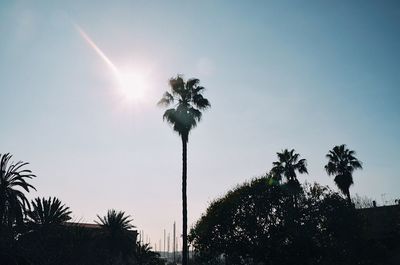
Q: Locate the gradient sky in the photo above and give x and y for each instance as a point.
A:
(299, 74)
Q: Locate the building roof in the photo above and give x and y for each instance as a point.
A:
(381, 222)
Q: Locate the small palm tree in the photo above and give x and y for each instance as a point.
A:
(183, 117)
(117, 237)
(13, 181)
(115, 221)
(48, 212)
(145, 256)
(287, 165)
(342, 162)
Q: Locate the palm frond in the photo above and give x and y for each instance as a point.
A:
(192, 83)
(115, 221)
(48, 212)
(177, 85)
(166, 100)
(13, 179)
(201, 102)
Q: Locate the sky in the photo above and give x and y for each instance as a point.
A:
(79, 83)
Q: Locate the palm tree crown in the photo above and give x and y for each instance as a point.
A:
(342, 162)
(116, 236)
(287, 165)
(145, 255)
(115, 221)
(13, 179)
(48, 212)
(186, 113)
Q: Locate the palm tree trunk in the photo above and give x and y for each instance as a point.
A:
(348, 197)
(184, 202)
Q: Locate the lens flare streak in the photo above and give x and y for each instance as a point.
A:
(97, 50)
(132, 81)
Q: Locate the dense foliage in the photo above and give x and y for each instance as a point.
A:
(257, 223)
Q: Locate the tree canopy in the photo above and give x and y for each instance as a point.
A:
(254, 223)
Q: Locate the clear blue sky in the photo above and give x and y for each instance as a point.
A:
(299, 74)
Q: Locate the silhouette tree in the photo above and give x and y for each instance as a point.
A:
(116, 239)
(287, 165)
(47, 240)
(13, 202)
(342, 162)
(183, 117)
(115, 222)
(252, 224)
(145, 256)
(48, 212)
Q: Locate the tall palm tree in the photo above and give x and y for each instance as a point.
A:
(13, 181)
(188, 102)
(49, 211)
(287, 165)
(342, 162)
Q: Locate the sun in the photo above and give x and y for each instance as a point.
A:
(132, 84)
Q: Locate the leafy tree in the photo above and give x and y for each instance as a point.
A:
(342, 162)
(13, 181)
(254, 224)
(49, 211)
(183, 117)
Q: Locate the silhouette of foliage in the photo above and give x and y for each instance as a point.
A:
(145, 256)
(46, 240)
(287, 165)
(13, 180)
(342, 162)
(183, 117)
(115, 238)
(115, 222)
(48, 212)
(255, 224)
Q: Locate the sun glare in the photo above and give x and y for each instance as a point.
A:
(132, 84)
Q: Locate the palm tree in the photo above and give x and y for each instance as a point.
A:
(116, 235)
(342, 162)
(115, 222)
(145, 256)
(48, 212)
(183, 117)
(13, 181)
(287, 165)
